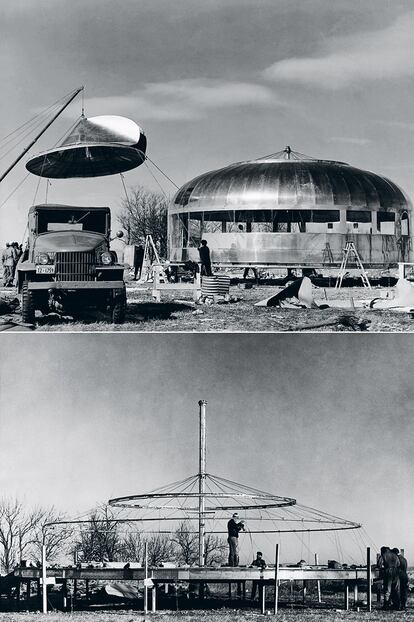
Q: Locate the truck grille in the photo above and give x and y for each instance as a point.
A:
(78, 266)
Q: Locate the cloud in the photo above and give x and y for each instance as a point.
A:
(182, 100)
(364, 57)
(350, 140)
(403, 125)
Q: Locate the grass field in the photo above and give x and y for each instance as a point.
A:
(179, 314)
(224, 615)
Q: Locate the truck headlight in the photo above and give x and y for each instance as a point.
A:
(106, 258)
(42, 258)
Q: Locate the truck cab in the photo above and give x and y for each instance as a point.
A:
(68, 265)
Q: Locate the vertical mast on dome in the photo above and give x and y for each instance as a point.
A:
(202, 483)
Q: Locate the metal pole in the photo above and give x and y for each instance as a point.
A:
(41, 132)
(145, 578)
(44, 586)
(318, 583)
(276, 578)
(369, 586)
(202, 483)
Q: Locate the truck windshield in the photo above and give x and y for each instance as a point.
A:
(71, 220)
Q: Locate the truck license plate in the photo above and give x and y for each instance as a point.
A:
(45, 269)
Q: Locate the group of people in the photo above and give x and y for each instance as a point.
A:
(391, 563)
(9, 258)
(393, 571)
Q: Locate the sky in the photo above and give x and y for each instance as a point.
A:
(324, 419)
(211, 82)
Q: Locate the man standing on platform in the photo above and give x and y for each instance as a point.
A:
(233, 529)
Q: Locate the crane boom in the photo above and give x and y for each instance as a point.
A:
(41, 132)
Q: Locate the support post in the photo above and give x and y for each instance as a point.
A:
(145, 578)
(276, 603)
(65, 594)
(318, 583)
(44, 584)
(154, 598)
(346, 595)
(355, 592)
(369, 580)
(263, 598)
(202, 483)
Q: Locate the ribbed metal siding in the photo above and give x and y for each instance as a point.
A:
(78, 266)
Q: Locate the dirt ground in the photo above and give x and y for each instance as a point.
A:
(177, 313)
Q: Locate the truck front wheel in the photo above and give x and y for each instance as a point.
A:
(119, 308)
(28, 309)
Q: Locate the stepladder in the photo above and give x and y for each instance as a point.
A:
(348, 253)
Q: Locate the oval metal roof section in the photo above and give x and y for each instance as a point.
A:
(272, 183)
(95, 147)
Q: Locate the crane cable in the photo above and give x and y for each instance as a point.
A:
(162, 172)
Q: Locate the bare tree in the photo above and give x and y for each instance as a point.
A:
(99, 540)
(56, 537)
(22, 534)
(145, 213)
(215, 549)
(160, 549)
(186, 545)
(131, 547)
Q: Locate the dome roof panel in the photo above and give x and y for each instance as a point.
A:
(289, 184)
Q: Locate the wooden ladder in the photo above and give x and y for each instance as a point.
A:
(150, 261)
(327, 256)
(347, 251)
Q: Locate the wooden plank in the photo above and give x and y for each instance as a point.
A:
(225, 574)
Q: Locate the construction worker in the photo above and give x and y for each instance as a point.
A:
(389, 566)
(233, 529)
(259, 562)
(403, 578)
(204, 253)
(138, 260)
(8, 259)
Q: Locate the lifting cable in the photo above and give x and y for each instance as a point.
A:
(22, 139)
(15, 189)
(156, 180)
(42, 112)
(162, 172)
(125, 190)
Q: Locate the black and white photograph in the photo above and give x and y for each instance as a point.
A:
(233, 474)
(206, 310)
(206, 166)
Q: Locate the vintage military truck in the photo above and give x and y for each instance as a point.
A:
(67, 265)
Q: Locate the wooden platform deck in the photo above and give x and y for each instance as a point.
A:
(194, 573)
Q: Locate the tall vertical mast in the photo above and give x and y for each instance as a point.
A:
(202, 483)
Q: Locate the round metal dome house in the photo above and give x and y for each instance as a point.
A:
(288, 209)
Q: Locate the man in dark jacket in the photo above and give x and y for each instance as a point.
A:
(259, 562)
(403, 578)
(389, 566)
(233, 528)
(204, 253)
